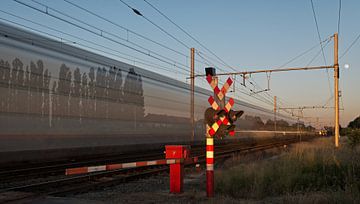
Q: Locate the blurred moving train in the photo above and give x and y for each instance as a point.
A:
(58, 100)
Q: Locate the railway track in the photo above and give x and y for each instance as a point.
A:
(57, 168)
(98, 180)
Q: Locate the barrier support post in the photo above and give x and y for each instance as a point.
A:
(177, 170)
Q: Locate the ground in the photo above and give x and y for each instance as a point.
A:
(270, 162)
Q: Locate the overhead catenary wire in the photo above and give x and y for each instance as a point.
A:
(326, 41)
(137, 12)
(317, 54)
(74, 24)
(263, 98)
(209, 61)
(189, 35)
(324, 44)
(101, 31)
(219, 60)
(350, 46)
(302, 54)
(64, 40)
(338, 28)
(124, 28)
(317, 29)
(150, 54)
(142, 61)
(164, 31)
(339, 18)
(328, 100)
(127, 29)
(184, 31)
(322, 49)
(35, 40)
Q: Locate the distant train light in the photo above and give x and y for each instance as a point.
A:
(322, 132)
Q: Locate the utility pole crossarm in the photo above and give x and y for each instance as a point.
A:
(304, 107)
(271, 70)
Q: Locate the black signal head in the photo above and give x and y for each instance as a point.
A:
(234, 115)
(212, 115)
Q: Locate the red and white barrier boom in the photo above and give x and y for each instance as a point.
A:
(110, 167)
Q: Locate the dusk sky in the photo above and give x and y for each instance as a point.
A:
(247, 35)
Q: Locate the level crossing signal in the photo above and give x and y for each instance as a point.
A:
(220, 120)
(224, 121)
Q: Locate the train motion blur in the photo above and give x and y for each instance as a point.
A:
(56, 98)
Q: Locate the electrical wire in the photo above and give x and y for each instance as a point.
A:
(350, 46)
(317, 29)
(127, 29)
(301, 54)
(189, 35)
(86, 46)
(141, 61)
(208, 62)
(260, 98)
(137, 12)
(322, 50)
(101, 31)
(172, 63)
(124, 28)
(316, 55)
(324, 44)
(204, 56)
(219, 60)
(263, 98)
(338, 24)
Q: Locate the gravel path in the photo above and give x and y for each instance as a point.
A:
(152, 190)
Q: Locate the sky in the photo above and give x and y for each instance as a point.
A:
(246, 35)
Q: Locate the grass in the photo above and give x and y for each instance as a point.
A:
(314, 168)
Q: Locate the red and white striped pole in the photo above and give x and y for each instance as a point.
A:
(210, 131)
(209, 163)
(213, 81)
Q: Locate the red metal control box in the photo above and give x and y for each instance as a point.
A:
(177, 151)
(177, 170)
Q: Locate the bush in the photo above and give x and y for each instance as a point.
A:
(353, 137)
(355, 123)
(345, 131)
